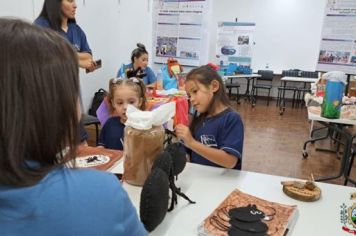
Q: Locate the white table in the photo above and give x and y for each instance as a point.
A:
(333, 125)
(209, 186)
(285, 79)
(248, 78)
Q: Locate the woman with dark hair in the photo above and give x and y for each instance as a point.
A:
(39, 194)
(59, 15)
(139, 64)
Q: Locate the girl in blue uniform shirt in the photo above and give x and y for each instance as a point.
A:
(121, 93)
(39, 194)
(139, 62)
(215, 136)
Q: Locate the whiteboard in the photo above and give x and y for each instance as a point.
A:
(287, 33)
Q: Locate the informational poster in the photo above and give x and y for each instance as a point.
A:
(181, 31)
(234, 43)
(338, 39)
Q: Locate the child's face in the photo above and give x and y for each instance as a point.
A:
(200, 95)
(142, 61)
(123, 96)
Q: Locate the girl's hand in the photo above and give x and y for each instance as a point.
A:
(183, 133)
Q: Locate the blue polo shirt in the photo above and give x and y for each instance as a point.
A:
(69, 202)
(148, 79)
(223, 131)
(112, 133)
(75, 35)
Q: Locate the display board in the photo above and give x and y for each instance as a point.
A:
(338, 39)
(180, 31)
(234, 43)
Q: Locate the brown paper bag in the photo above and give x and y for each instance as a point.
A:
(141, 148)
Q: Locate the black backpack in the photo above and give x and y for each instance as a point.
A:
(97, 100)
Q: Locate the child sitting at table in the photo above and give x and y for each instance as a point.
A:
(121, 93)
(215, 136)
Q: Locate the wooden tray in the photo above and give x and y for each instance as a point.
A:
(302, 194)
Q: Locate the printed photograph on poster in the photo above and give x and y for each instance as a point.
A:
(353, 59)
(188, 55)
(334, 57)
(243, 40)
(166, 46)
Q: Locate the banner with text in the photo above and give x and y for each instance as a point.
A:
(181, 31)
(234, 43)
(338, 39)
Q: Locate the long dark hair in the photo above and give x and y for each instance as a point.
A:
(52, 12)
(139, 51)
(38, 102)
(205, 75)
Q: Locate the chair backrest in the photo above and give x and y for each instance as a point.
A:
(265, 75)
(310, 74)
(291, 73)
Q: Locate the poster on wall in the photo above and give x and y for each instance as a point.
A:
(234, 43)
(181, 31)
(338, 38)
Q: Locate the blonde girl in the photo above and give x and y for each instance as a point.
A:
(121, 93)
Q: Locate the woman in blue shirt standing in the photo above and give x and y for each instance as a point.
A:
(59, 15)
(139, 63)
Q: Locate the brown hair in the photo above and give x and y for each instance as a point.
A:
(38, 102)
(135, 83)
(205, 75)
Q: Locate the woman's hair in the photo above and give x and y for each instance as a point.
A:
(139, 51)
(205, 75)
(135, 83)
(38, 102)
(52, 11)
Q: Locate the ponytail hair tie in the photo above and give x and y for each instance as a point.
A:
(115, 80)
(213, 66)
(135, 80)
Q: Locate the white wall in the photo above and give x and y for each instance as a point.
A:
(287, 31)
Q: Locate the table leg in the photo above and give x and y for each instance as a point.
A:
(282, 106)
(345, 156)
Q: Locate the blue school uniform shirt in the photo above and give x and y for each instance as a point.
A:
(223, 131)
(112, 133)
(148, 79)
(69, 202)
(75, 35)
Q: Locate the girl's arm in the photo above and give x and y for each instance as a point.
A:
(217, 156)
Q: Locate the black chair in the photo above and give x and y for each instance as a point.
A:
(283, 88)
(91, 120)
(301, 90)
(263, 82)
(231, 85)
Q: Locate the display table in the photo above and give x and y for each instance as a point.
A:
(209, 186)
(282, 104)
(334, 126)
